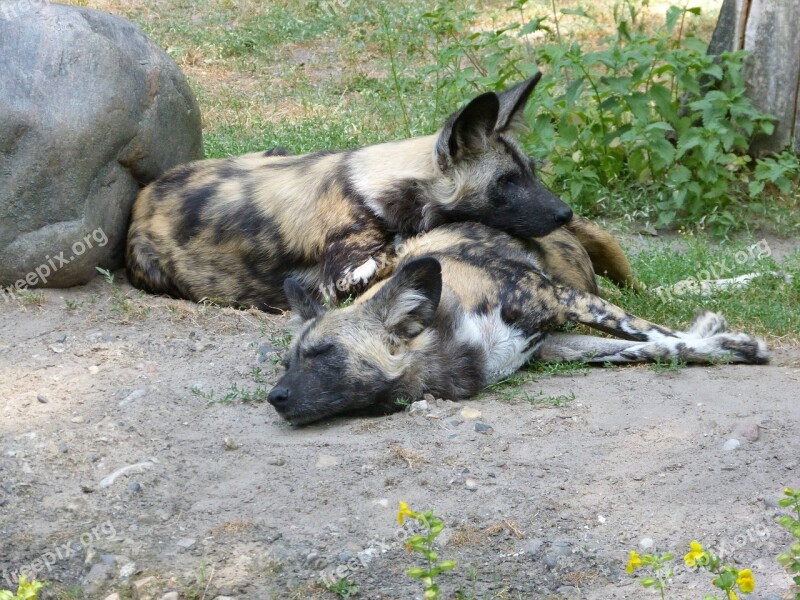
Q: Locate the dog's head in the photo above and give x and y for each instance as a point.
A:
(494, 180)
(362, 357)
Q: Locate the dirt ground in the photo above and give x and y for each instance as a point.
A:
(223, 498)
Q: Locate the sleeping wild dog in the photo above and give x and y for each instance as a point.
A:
(234, 229)
(466, 307)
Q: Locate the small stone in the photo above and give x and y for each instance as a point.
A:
(646, 543)
(749, 431)
(134, 395)
(731, 444)
(2, 500)
(79, 419)
(601, 519)
(326, 460)
(140, 586)
(114, 596)
(483, 427)
(61, 339)
(229, 443)
(87, 489)
(57, 348)
(186, 543)
(171, 596)
(62, 448)
(277, 461)
(533, 547)
(94, 369)
(127, 570)
(41, 398)
(471, 485)
(418, 407)
(134, 487)
(470, 413)
(551, 560)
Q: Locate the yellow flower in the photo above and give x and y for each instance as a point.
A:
(732, 595)
(691, 558)
(405, 512)
(746, 581)
(634, 562)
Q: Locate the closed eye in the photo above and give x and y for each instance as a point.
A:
(317, 350)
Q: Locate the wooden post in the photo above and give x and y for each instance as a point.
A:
(770, 30)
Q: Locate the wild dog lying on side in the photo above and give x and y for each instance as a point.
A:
(236, 228)
(466, 307)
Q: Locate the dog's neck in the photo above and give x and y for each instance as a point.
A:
(401, 183)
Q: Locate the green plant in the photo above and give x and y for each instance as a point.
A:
(344, 587)
(120, 303)
(26, 590)
(667, 366)
(727, 578)
(657, 565)
(791, 559)
(422, 543)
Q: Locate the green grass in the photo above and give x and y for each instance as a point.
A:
(769, 306)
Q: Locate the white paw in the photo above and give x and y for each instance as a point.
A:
(363, 273)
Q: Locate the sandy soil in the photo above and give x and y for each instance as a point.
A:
(228, 500)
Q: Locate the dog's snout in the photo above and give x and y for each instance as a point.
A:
(278, 397)
(563, 215)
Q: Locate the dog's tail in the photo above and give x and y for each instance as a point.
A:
(608, 258)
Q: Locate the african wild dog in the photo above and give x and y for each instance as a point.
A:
(467, 306)
(234, 229)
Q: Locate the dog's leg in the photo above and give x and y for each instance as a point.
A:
(705, 341)
(355, 259)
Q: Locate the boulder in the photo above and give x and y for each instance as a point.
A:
(90, 111)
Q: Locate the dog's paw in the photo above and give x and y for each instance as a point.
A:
(731, 348)
(707, 324)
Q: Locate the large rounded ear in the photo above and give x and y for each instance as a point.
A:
(512, 104)
(300, 301)
(465, 132)
(407, 303)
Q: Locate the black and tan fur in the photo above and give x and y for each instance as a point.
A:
(234, 229)
(468, 306)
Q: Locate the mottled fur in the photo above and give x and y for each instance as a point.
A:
(234, 229)
(468, 306)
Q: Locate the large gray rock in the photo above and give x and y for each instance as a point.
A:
(90, 110)
(770, 30)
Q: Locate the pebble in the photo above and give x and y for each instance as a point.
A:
(126, 570)
(646, 543)
(731, 444)
(79, 419)
(171, 596)
(278, 461)
(326, 460)
(114, 596)
(63, 448)
(418, 407)
(187, 543)
(134, 395)
(264, 352)
(57, 348)
(749, 431)
(533, 547)
(229, 443)
(481, 427)
(41, 398)
(470, 413)
(2, 500)
(94, 369)
(471, 485)
(134, 487)
(140, 585)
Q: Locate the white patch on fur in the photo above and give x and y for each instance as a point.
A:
(505, 346)
(363, 273)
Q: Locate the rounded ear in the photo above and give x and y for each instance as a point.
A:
(407, 303)
(512, 104)
(465, 132)
(300, 301)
